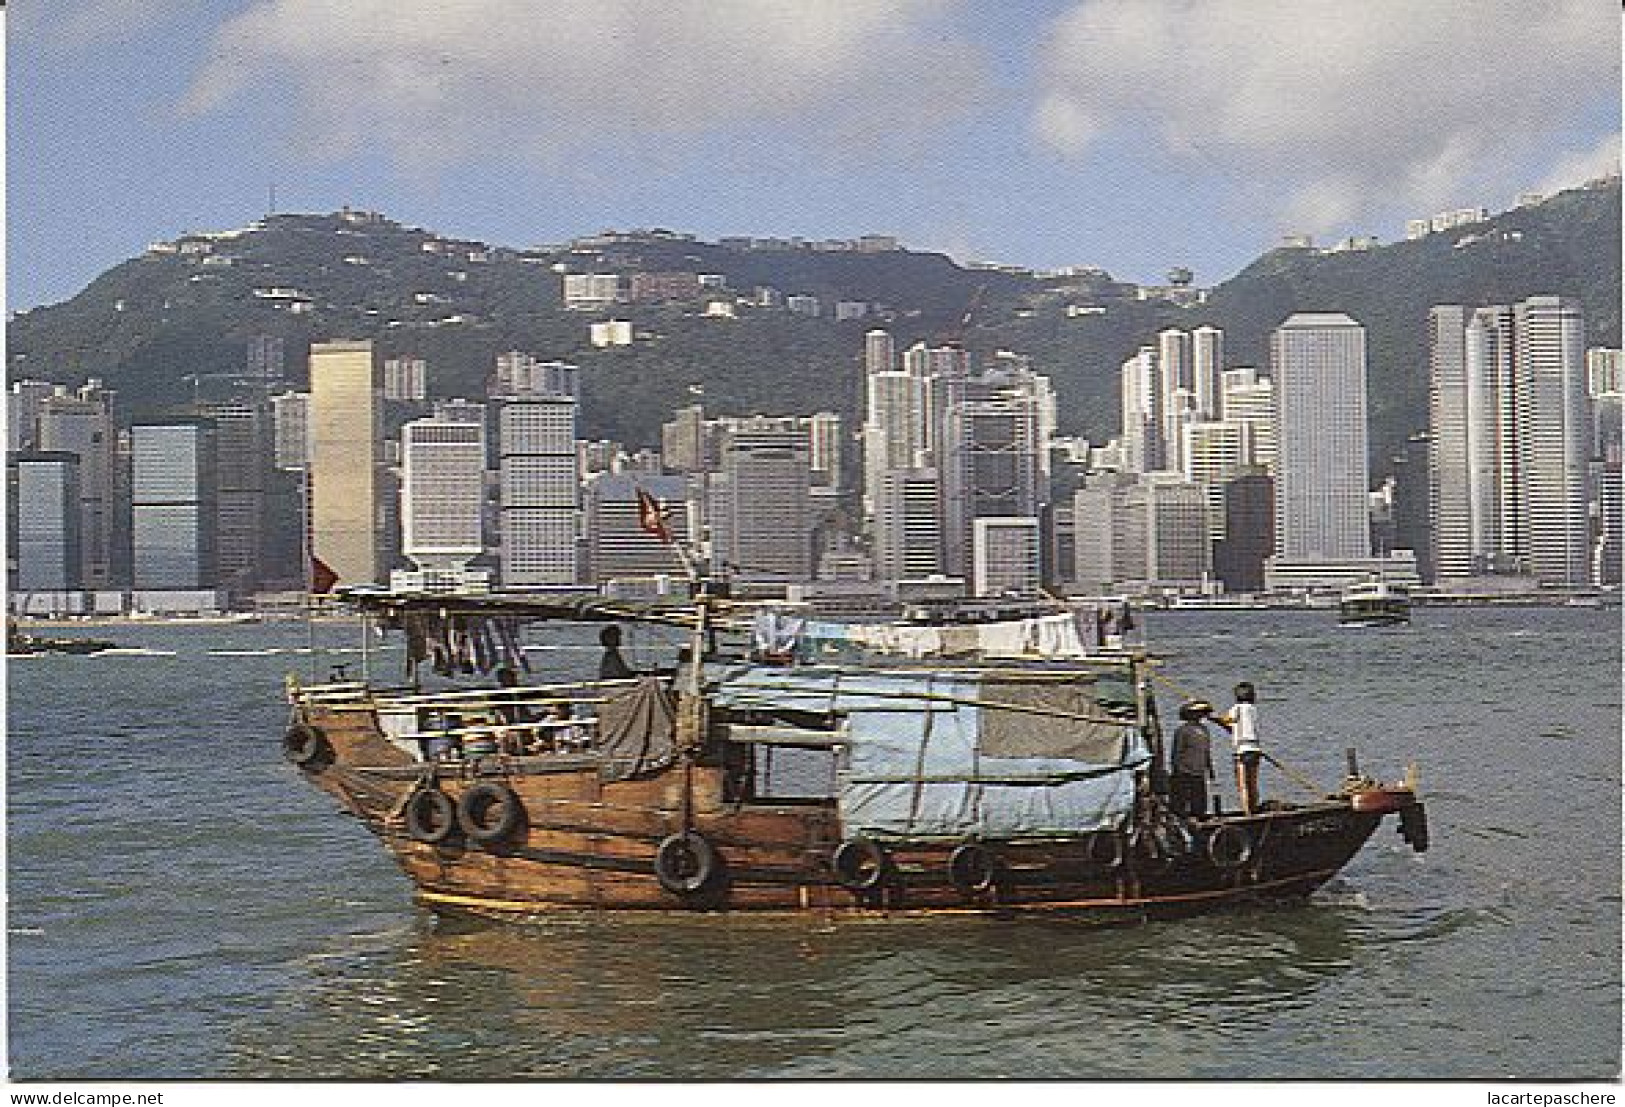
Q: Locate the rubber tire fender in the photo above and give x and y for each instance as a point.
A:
(859, 864)
(304, 745)
(1229, 846)
(973, 869)
(687, 863)
(431, 816)
(474, 810)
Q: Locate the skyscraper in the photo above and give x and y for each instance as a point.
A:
(44, 521)
(993, 448)
(442, 496)
(908, 525)
(172, 492)
(1318, 366)
(1207, 369)
(244, 454)
(345, 453)
(760, 512)
(618, 545)
(1006, 560)
(536, 471)
(879, 352)
(1510, 439)
(81, 423)
(1140, 391)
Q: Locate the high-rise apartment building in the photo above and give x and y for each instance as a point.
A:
(1207, 372)
(1141, 394)
(172, 509)
(1550, 355)
(1249, 399)
(539, 487)
(824, 435)
(1176, 388)
(879, 352)
(345, 456)
(406, 379)
(1318, 366)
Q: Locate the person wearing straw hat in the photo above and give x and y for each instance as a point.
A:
(1190, 760)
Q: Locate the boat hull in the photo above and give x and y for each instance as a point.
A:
(575, 841)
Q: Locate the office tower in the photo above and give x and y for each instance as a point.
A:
(442, 500)
(1005, 557)
(1214, 453)
(992, 446)
(81, 423)
(1510, 441)
(23, 411)
(539, 489)
(1318, 366)
(406, 379)
(908, 525)
(824, 442)
(290, 429)
(1249, 399)
(266, 361)
(760, 517)
(1178, 551)
(1142, 412)
(1249, 532)
(892, 430)
(1097, 526)
(243, 452)
(687, 442)
(879, 352)
(1207, 372)
(172, 509)
(938, 370)
(345, 456)
(44, 521)
(1411, 500)
(1550, 355)
(618, 545)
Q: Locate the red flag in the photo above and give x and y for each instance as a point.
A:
(652, 516)
(322, 578)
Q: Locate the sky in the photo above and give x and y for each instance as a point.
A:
(1136, 135)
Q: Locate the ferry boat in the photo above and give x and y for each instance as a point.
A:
(781, 763)
(1374, 603)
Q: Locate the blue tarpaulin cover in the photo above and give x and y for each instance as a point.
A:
(918, 761)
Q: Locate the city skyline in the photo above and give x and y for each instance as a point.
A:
(1125, 135)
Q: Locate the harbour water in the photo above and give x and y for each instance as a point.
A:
(183, 906)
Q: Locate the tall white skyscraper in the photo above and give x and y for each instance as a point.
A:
(1250, 399)
(1176, 389)
(536, 471)
(1207, 368)
(1318, 365)
(1550, 365)
(1142, 412)
(442, 493)
(1509, 441)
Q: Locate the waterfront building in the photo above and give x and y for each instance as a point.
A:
(538, 486)
(173, 509)
(993, 458)
(1006, 558)
(346, 507)
(619, 547)
(44, 521)
(442, 503)
(81, 422)
(1249, 532)
(243, 460)
(1550, 344)
(1319, 370)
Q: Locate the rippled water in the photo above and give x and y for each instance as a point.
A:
(183, 906)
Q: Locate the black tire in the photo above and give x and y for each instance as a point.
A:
(1229, 846)
(973, 869)
(686, 864)
(306, 746)
(1105, 851)
(430, 816)
(1413, 826)
(859, 864)
(490, 813)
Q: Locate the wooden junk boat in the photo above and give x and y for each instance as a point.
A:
(999, 768)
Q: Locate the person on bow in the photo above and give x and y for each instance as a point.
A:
(1242, 723)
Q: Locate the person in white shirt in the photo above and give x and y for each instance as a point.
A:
(1242, 723)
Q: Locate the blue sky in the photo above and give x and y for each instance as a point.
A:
(1132, 134)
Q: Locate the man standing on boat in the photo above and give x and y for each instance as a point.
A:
(1242, 723)
(1190, 761)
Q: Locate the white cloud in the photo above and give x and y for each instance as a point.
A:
(1347, 107)
(1578, 168)
(432, 81)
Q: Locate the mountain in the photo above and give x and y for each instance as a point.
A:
(190, 308)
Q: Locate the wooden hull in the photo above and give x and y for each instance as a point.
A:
(580, 842)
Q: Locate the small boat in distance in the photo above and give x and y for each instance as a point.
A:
(780, 762)
(1375, 602)
(22, 644)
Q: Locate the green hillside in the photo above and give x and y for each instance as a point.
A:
(148, 324)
